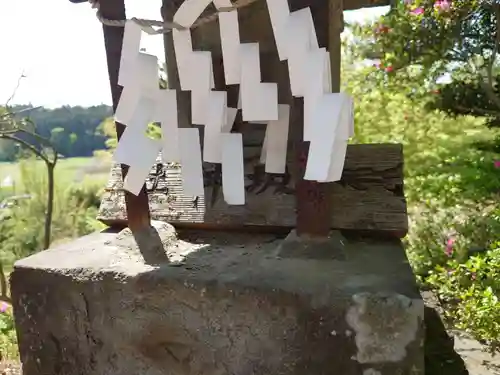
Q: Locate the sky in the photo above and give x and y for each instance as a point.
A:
(59, 48)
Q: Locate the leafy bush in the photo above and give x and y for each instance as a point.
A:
(452, 185)
(74, 214)
(8, 338)
(462, 229)
(470, 290)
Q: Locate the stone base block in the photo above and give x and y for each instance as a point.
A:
(216, 304)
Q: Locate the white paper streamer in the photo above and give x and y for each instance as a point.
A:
(233, 178)
(230, 42)
(279, 12)
(217, 118)
(130, 49)
(317, 67)
(259, 101)
(191, 171)
(300, 39)
(276, 141)
(166, 114)
(332, 128)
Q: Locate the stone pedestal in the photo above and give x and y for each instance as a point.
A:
(212, 303)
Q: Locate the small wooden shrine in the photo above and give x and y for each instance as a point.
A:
(369, 196)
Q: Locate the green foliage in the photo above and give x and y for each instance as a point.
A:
(420, 40)
(471, 291)
(73, 130)
(452, 171)
(68, 170)
(74, 213)
(452, 185)
(428, 34)
(8, 337)
(466, 96)
(443, 165)
(460, 229)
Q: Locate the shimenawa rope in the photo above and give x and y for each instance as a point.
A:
(153, 27)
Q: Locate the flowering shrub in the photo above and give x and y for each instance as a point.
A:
(426, 33)
(452, 187)
(424, 41)
(471, 292)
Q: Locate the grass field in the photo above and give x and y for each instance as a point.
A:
(72, 169)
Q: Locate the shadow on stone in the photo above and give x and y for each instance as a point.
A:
(302, 247)
(151, 242)
(440, 355)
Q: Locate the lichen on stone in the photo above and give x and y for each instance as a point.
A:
(384, 325)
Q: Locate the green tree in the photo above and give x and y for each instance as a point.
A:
(23, 133)
(419, 41)
(73, 130)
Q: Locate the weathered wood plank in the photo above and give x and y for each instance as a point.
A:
(368, 198)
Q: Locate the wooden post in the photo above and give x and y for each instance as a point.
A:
(336, 26)
(137, 206)
(314, 199)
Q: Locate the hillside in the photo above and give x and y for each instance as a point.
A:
(74, 130)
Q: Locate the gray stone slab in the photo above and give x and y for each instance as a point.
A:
(207, 303)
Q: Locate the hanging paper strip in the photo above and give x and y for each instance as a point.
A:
(230, 42)
(328, 117)
(191, 171)
(166, 114)
(216, 119)
(276, 141)
(332, 128)
(259, 101)
(233, 178)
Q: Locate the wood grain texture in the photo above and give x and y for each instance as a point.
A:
(368, 198)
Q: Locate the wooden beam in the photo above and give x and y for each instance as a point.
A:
(368, 198)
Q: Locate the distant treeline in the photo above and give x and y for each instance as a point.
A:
(74, 131)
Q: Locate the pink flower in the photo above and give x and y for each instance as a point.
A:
(417, 11)
(449, 246)
(3, 307)
(496, 163)
(389, 69)
(442, 5)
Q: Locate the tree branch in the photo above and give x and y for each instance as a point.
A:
(489, 86)
(15, 89)
(4, 295)
(481, 111)
(27, 145)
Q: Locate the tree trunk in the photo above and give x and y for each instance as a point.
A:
(50, 205)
